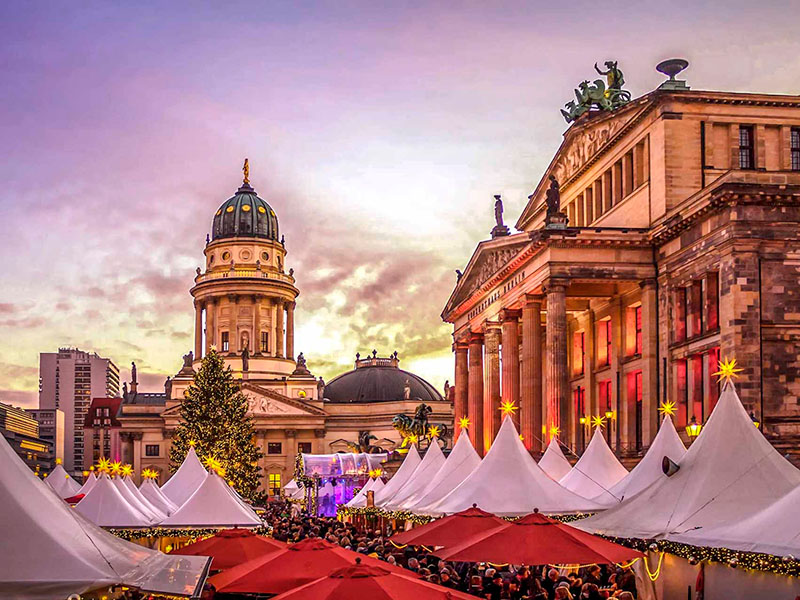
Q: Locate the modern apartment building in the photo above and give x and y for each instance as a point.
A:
(22, 431)
(51, 428)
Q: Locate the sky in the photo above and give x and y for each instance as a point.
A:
(377, 131)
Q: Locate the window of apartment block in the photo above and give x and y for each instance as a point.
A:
(151, 450)
(225, 341)
(304, 447)
(578, 353)
(711, 295)
(275, 484)
(265, 342)
(794, 146)
(604, 343)
(746, 147)
(274, 448)
(635, 395)
(579, 398)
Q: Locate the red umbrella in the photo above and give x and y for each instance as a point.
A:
(450, 530)
(537, 540)
(232, 547)
(374, 583)
(293, 566)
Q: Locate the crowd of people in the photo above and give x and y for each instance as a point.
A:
(491, 582)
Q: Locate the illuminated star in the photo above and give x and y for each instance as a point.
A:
(58, 461)
(521, 438)
(667, 408)
(433, 431)
(555, 430)
(508, 408)
(192, 442)
(149, 474)
(126, 470)
(214, 465)
(412, 439)
(103, 465)
(727, 370)
(463, 422)
(598, 421)
(116, 467)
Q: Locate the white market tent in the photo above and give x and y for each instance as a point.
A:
(553, 462)
(88, 484)
(596, 472)
(142, 498)
(666, 443)
(156, 497)
(729, 473)
(360, 499)
(143, 507)
(61, 482)
(459, 464)
(50, 551)
(213, 505)
(105, 506)
(186, 480)
(401, 476)
(433, 460)
(509, 483)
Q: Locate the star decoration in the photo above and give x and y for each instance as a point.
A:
(555, 430)
(116, 467)
(192, 442)
(727, 370)
(149, 474)
(598, 421)
(667, 408)
(104, 465)
(58, 461)
(508, 408)
(521, 438)
(412, 439)
(433, 431)
(463, 422)
(214, 465)
(126, 470)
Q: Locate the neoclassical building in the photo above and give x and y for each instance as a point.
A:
(244, 307)
(663, 236)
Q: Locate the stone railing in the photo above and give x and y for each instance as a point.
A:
(244, 274)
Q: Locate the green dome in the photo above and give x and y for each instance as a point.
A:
(245, 215)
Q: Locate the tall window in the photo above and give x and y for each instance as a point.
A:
(274, 447)
(604, 343)
(746, 154)
(637, 324)
(604, 396)
(635, 406)
(275, 483)
(304, 447)
(795, 148)
(680, 314)
(712, 301)
(151, 450)
(225, 341)
(579, 397)
(265, 342)
(578, 353)
(683, 392)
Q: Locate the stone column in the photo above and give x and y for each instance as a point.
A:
(460, 408)
(531, 392)
(510, 332)
(255, 345)
(290, 329)
(198, 330)
(211, 324)
(649, 361)
(475, 391)
(556, 357)
(279, 328)
(491, 401)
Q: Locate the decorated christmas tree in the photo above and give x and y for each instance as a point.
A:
(214, 420)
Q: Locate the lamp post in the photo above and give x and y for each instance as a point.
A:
(609, 417)
(693, 428)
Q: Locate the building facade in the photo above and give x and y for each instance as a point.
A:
(22, 432)
(101, 430)
(244, 307)
(51, 428)
(68, 380)
(663, 237)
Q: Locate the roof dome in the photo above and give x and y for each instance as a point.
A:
(245, 215)
(378, 379)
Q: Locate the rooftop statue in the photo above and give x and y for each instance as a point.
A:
(598, 95)
(553, 197)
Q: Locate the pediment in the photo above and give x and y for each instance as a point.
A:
(584, 142)
(491, 261)
(264, 401)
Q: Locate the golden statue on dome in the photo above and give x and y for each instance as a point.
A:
(246, 171)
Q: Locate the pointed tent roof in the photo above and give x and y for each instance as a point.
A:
(401, 476)
(186, 480)
(666, 443)
(553, 462)
(156, 497)
(57, 552)
(597, 471)
(213, 505)
(88, 484)
(431, 463)
(730, 472)
(509, 483)
(105, 506)
(360, 499)
(459, 464)
(143, 507)
(61, 482)
(142, 498)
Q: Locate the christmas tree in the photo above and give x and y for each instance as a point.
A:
(214, 420)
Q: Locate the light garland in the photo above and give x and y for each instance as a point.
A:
(192, 534)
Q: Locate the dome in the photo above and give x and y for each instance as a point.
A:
(379, 380)
(245, 215)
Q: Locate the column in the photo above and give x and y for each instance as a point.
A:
(531, 366)
(279, 328)
(649, 361)
(556, 357)
(460, 409)
(510, 340)
(491, 401)
(255, 346)
(475, 391)
(290, 330)
(198, 330)
(211, 323)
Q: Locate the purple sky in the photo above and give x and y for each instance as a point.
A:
(377, 131)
